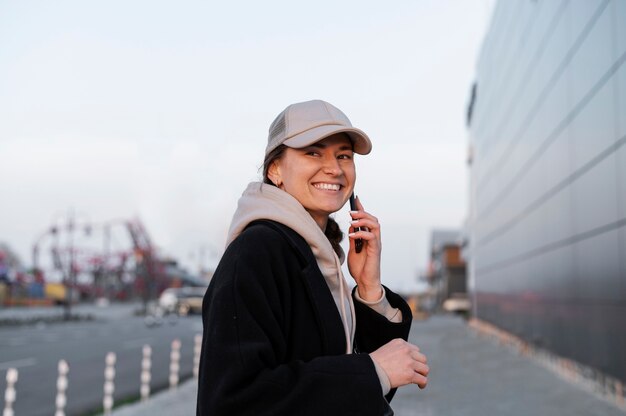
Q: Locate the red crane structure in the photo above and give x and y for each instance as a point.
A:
(114, 259)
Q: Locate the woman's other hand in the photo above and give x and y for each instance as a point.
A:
(403, 363)
(365, 266)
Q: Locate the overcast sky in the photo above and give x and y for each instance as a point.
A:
(160, 110)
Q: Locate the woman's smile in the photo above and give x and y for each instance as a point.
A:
(328, 186)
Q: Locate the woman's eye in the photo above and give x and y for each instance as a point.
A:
(347, 157)
(312, 153)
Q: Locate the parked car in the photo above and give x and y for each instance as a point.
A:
(182, 300)
(457, 303)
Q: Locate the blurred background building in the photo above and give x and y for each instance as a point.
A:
(547, 215)
(446, 272)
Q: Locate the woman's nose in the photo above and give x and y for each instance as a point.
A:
(331, 166)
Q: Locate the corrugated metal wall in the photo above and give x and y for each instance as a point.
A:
(547, 219)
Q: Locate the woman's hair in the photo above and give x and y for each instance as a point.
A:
(332, 231)
(269, 159)
(334, 235)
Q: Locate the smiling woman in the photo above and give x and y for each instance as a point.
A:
(283, 335)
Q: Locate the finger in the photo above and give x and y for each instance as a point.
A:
(366, 225)
(360, 210)
(358, 203)
(422, 369)
(356, 229)
(363, 234)
(420, 375)
(418, 356)
(414, 348)
(420, 380)
(351, 231)
(362, 214)
(352, 241)
(370, 223)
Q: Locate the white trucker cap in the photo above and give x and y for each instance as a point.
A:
(303, 124)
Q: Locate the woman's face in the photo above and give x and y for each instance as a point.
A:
(321, 176)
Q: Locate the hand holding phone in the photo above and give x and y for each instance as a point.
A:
(358, 243)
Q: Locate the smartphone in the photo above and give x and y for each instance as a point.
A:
(358, 243)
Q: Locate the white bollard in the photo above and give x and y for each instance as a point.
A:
(174, 364)
(196, 355)
(146, 365)
(61, 399)
(109, 387)
(9, 393)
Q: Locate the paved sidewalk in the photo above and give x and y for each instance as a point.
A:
(470, 376)
(179, 402)
(473, 375)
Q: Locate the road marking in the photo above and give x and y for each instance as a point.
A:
(136, 343)
(25, 362)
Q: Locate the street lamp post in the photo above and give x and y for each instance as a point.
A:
(71, 276)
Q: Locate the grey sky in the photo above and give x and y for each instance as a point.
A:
(160, 109)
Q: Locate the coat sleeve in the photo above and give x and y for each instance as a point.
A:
(244, 369)
(374, 330)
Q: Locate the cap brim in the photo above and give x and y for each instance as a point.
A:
(360, 142)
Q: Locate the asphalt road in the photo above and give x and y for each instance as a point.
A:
(35, 351)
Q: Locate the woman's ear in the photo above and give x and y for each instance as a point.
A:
(273, 173)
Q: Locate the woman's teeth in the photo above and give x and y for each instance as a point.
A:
(327, 186)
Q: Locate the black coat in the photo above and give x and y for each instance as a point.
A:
(273, 340)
